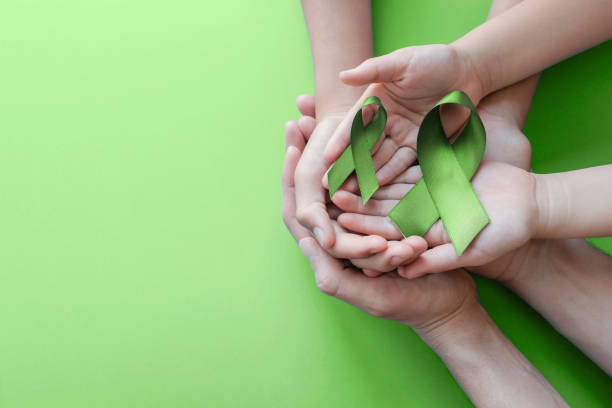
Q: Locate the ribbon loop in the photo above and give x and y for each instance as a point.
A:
(445, 190)
(357, 155)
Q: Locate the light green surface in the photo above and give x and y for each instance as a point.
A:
(142, 254)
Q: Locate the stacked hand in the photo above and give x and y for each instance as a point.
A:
(426, 303)
(507, 202)
(364, 236)
(409, 85)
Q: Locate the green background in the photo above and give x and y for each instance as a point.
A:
(143, 258)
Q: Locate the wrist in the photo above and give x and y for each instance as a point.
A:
(534, 256)
(336, 106)
(474, 81)
(544, 192)
(466, 322)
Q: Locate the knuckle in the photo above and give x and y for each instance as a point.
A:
(303, 215)
(383, 308)
(326, 284)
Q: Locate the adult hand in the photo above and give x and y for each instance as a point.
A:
(371, 253)
(425, 303)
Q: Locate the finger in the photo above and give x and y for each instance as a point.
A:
(370, 273)
(294, 136)
(411, 176)
(346, 284)
(397, 253)
(401, 160)
(437, 235)
(310, 195)
(349, 202)
(370, 225)
(349, 245)
(404, 128)
(386, 68)
(291, 160)
(306, 105)
(392, 191)
(435, 260)
(329, 272)
(386, 151)
(307, 125)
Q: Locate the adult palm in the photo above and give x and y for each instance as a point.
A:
(424, 303)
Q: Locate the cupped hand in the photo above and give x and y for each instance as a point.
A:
(505, 142)
(409, 82)
(424, 303)
(372, 253)
(506, 192)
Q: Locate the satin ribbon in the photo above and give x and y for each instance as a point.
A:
(357, 156)
(445, 191)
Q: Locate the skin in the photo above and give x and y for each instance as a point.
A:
(532, 36)
(508, 48)
(565, 280)
(521, 205)
(505, 268)
(336, 44)
(443, 309)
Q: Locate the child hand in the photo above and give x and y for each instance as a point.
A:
(506, 192)
(409, 82)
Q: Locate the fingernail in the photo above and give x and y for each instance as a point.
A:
(309, 249)
(396, 260)
(318, 233)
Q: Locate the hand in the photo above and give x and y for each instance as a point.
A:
(426, 303)
(409, 82)
(371, 253)
(503, 115)
(506, 192)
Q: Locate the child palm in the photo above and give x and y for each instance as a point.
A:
(506, 192)
(409, 82)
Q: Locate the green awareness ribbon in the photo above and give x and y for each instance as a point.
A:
(357, 155)
(445, 191)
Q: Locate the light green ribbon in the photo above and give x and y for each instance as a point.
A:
(357, 156)
(445, 191)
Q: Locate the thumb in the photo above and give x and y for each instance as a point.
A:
(435, 260)
(386, 68)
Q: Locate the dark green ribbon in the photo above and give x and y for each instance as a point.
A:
(445, 191)
(357, 156)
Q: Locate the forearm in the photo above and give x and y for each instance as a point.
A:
(569, 282)
(340, 34)
(532, 36)
(486, 364)
(514, 101)
(574, 204)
